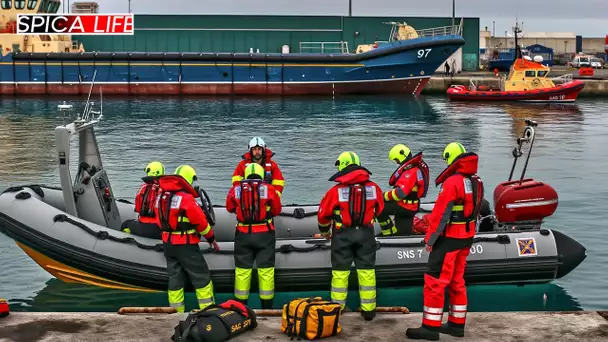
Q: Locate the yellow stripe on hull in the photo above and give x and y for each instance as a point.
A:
(71, 275)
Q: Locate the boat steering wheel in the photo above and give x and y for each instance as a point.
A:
(206, 205)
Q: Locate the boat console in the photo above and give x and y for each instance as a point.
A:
(89, 195)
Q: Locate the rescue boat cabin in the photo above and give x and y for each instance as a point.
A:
(528, 74)
(10, 42)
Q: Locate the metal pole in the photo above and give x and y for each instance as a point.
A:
(129, 6)
(453, 11)
(350, 8)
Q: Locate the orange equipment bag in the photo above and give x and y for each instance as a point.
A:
(311, 318)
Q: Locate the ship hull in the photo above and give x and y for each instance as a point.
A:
(410, 85)
(402, 67)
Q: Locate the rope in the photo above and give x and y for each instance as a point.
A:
(36, 188)
(104, 235)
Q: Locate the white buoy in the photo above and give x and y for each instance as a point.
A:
(528, 58)
(538, 59)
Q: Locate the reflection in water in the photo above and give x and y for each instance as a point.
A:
(544, 114)
(61, 297)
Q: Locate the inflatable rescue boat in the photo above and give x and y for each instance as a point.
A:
(73, 232)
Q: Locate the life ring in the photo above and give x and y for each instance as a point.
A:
(536, 83)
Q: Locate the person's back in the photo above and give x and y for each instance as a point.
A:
(183, 222)
(255, 203)
(352, 206)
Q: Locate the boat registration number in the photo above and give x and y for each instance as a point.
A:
(557, 97)
(417, 253)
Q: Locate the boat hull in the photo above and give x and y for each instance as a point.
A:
(567, 92)
(399, 67)
(75, 250)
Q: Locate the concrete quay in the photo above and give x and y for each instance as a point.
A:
(481, 326)
(440, 84)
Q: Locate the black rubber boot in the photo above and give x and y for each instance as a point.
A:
(423, 333)
(456, 330)
(266, 303)
(368, 315)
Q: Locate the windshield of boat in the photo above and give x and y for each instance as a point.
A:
(542, 73)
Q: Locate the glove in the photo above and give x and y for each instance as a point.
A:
(326, 235)
(215, 246)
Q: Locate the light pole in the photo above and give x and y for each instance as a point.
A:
(453, 11)
(350, 8)
(129, 6)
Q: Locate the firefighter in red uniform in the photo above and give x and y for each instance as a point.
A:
(183, 222)
(451, 228)
(352, 205)
(255, 203)
(410, 182)
(261, 154)
(145, 225)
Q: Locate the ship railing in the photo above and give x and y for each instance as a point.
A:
(324, 47)
(441, 31)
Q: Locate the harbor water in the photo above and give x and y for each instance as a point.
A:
(307, 134)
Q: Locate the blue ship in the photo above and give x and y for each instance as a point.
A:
(396, 66)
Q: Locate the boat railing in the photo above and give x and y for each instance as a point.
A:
(562, 79)
(324, 47)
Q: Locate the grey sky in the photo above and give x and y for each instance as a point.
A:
(588, 18)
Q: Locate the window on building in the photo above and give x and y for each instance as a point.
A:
(7, 4)
(530, 73)
(542, 73)
(19, 4)
(43, 5)
(31, 4)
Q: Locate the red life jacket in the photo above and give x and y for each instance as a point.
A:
(463, 218)
(252, 196)
(178, 211)
(357, 197)
(420, 189)
(144, 202)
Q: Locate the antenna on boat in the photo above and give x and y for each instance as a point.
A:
(528, 137)
(516, 30)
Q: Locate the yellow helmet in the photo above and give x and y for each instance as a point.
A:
(399, 152)
(155, 168)
(452, 151)
(187, 172)
(254, 169)
(347, 158)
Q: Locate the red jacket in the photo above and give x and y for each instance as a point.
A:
(145, 198)
(457, 207)
(410, 182)
(243, 197)
(335, 205)
(177, 211)
(273, 175)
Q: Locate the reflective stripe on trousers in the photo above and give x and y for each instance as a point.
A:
(367, 289)
(242, 282)
(339, 286)
(432, 316)
(458, 314)
(176, 299)
(203, 295)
